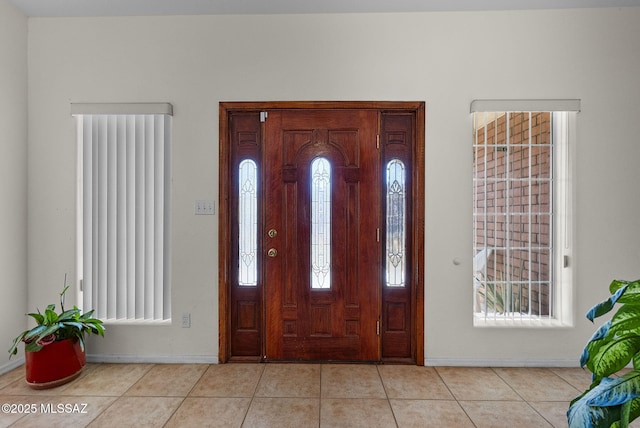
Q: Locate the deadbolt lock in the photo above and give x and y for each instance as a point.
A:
(272, 233)
(272, 252)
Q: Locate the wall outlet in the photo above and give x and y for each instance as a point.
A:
(186, 320)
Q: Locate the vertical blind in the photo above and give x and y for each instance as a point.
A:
(125, 176)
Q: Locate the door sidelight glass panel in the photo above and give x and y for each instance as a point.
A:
(248, 223)
(320, 224)
(396, 224)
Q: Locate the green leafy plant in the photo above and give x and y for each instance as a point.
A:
(53, 327)
(612, 400)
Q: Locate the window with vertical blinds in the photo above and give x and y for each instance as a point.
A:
(124, 176)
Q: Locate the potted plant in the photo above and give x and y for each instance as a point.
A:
(612, 399)
(54, 348)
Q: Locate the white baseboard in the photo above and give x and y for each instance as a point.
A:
(480, 362)
(152, 359)
(12, 364)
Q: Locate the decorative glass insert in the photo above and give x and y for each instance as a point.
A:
(396, 224)
(248, 223)
(320, 224)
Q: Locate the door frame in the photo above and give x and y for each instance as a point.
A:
(417, 207)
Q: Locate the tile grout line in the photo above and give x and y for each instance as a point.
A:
(521, 397)
(186, 396)
(386, 394)
(122, 395)
(119, 396)
(253, 396)
(454, 397)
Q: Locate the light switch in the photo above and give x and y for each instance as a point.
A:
(204, 207)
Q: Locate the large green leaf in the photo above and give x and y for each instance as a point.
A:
(14, 348)
(601, 406)
(618, 390)
(74, 324)
(632, 294)
(38, 317)
(97, 328)
(32, 346)
(626, 321)
(49, 330)
(613, 356)
(35, 332)
(582, 415)
(50, 316)
(595, 343)
(636, 361)
(617, 284)
(87, 315)
(605, 306)
(634, 413)
(71, 314)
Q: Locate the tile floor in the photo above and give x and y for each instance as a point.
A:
(296, 395)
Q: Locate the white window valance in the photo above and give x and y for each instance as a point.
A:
(572, 105)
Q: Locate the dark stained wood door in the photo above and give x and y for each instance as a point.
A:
(341, 320)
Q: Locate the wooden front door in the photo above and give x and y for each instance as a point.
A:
(323, 254)
(313, 266)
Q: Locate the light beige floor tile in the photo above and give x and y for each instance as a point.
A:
(290, 380)
(538, 384)
(108, 380)
(503, 414)
(228, 380)
(283, 413)
(356, 412)
(413, 382)
(476, 383)
(16, 407)
(430, 414)
(20, 387)
(138, 412)
(165, 380)
(210, 412)
(64, 412)
(10, 377)
(351, 381)
(555, 412)
(579, 378)
(281, 395)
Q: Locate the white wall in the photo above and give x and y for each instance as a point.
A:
(13, 177)
(445, 59)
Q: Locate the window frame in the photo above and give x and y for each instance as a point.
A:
(563, 123)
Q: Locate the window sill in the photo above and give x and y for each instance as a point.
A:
(517, 321)
(139, 322)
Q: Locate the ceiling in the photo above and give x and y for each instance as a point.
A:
(58, 8)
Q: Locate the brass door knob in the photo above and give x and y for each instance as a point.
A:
(272, 252)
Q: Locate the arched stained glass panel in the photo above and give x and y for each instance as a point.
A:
(320, 224)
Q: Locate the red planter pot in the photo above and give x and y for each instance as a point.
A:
(55, 364)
